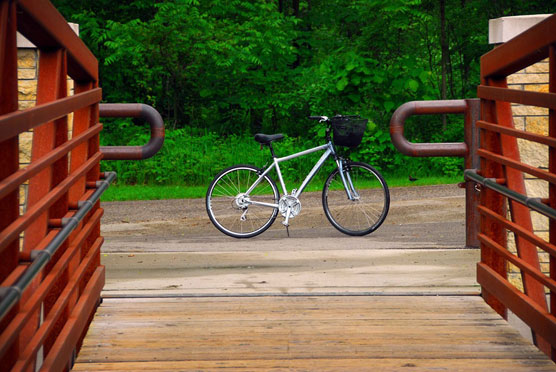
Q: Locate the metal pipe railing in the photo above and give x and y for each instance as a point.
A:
(534, 203)
(468, 149)
(133, 110)
(9, 296)
(408, 109)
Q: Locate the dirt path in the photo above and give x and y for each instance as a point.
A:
(422, 214)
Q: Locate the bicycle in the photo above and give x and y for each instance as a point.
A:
(243, 200)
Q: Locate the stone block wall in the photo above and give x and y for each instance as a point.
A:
(27, 74)
(535, 120)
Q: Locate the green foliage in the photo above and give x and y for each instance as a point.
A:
(220, 71)
(193, 157)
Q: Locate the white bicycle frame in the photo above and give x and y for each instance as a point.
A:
(328, 150)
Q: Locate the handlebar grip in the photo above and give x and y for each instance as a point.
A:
(314, 117)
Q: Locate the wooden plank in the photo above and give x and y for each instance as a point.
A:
(318, 333)
(360, 364)
(169, 311)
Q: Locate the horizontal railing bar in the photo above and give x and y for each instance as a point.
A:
(12, 231)
(547, 176)
(12, 182)
(134, 110)
(11, 332)
(17, 122)
(524, 97)
(515, 228)
(523, 50)
(542, 322)
(402, 113)
(43, 257)
(44, 26)
(521, 264)
(532, 203)
(28, 354)
(538, 138)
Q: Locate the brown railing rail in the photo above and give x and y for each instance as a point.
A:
(134, 110)
(470, 109)
(502, 172)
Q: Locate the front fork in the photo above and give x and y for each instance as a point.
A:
(343, 168)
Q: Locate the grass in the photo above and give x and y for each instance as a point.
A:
(150, 192)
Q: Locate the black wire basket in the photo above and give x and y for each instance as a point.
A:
(348, 130)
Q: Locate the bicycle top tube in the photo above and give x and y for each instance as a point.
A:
(328, 150)
(305, 152)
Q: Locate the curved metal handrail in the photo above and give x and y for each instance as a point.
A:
(408, 109)
(133, 110)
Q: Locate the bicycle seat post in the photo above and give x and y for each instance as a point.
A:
(271, 149)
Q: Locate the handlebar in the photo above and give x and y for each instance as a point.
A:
(319, 118)
(325, 118)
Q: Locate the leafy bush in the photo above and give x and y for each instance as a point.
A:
(193, 157)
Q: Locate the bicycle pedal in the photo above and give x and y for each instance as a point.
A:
(288, 230)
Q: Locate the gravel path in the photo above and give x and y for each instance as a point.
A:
(424, 213)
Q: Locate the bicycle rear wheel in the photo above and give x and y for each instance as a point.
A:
(229, 207)
(369, 208)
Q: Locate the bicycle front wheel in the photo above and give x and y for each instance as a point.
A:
(367, 209)
(231, 209)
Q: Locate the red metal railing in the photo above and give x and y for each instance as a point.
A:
(501, 166)
(470, 109)
(52, 278)
(496, 165)
(50, 281)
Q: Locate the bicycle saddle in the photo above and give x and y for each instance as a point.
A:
(265, 139)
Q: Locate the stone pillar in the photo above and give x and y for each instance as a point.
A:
(27, 75)
(531, 119)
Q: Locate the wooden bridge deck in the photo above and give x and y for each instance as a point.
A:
(326, 333)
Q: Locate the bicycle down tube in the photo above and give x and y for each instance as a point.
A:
(329, 151)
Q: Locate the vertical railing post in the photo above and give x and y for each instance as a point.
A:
(52, 85)
(551, 186)
(471, 137)
(9, 161)
(81, 122)
(495, 202)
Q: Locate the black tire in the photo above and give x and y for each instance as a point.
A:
(361, 216)
(225, 209)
